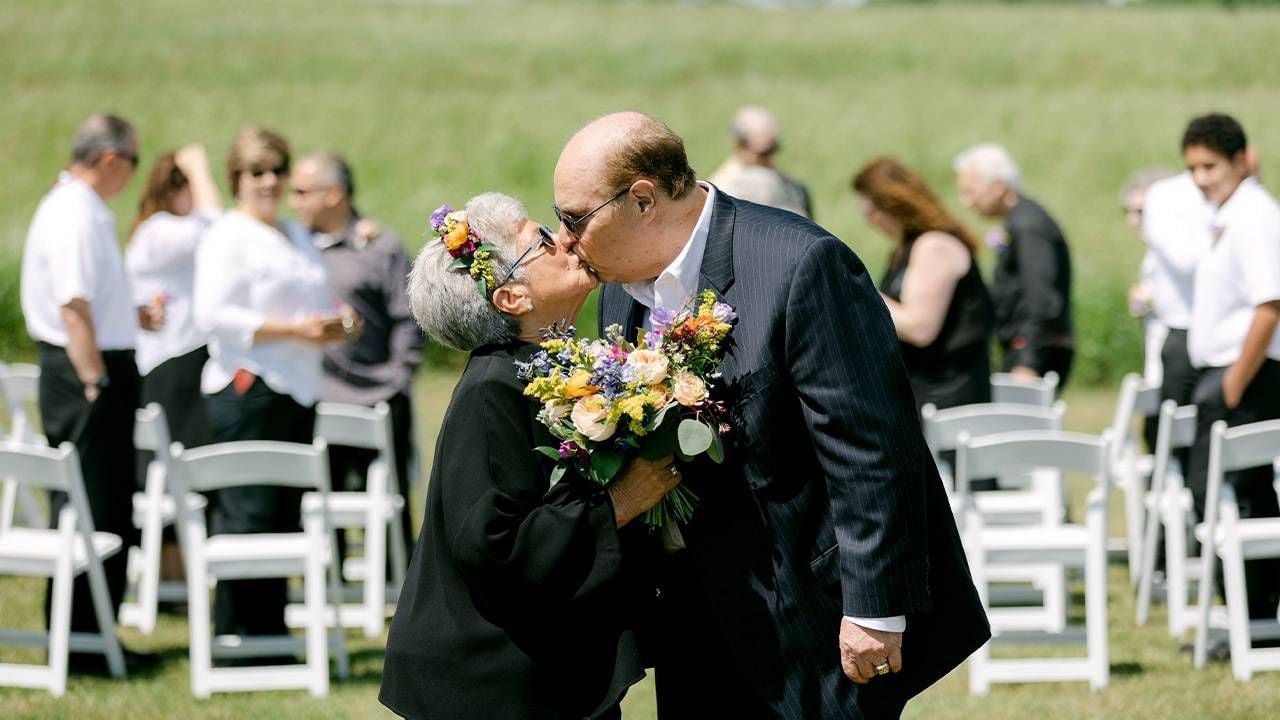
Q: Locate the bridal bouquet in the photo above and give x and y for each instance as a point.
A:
(610, 398)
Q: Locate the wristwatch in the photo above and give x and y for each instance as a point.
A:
(101, 383)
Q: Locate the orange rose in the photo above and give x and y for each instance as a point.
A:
(579, 385)
(457, 236)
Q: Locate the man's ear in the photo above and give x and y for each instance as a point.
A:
(645, 194)
(512, 299)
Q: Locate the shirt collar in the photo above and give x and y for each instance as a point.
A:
(1237, 203)
(680, 278)
(100, 209)
(325, 241)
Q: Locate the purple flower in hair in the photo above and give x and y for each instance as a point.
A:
(437, 217)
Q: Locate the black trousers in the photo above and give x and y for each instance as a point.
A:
(255, 607)
(102, 432)
(1254, 491)
(175, 385)
(349, 467)
(1179, 377)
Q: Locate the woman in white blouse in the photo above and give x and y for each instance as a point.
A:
(262, 299)
(178, 203)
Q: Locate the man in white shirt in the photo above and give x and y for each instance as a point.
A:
(1233, 337)
(78, 309)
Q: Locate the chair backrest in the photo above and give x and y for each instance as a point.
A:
(19, 387)
(54, 469)
(1067, 452)
(151, 431)
(1136, 399)
(1005, 388)
(354, 425)
(943, 428)
(251, 462)
(1245, 446)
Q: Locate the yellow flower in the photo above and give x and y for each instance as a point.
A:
(579, 385)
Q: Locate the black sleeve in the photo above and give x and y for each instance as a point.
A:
(1042, 302)
(518, 543)
(842, 355)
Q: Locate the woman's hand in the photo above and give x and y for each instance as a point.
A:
(320, 329)
(642, 485)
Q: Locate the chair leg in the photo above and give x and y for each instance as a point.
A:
(199, 623)
(1175, 564)
(1095, 595)
(1133, 516)
(101, 598)
(335, 601)
(60, 625)
(317, 642)
(1237, 606)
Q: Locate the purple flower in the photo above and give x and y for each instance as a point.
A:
(653, 339)
(723, 312)
(568, 449)
(997, 239)
(661, 317)
(437, 217)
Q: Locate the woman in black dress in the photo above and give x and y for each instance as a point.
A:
(933, 289)
(514, 605)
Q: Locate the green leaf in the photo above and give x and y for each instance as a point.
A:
(482, 287)
(695, 437)
(557, 473)
(716, 451)
(660, 443)
(459, 264)
(605, 464)
(549, 451)
(657, 420)
(486, 246)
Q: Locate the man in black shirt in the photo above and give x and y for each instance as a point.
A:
(1031, 284)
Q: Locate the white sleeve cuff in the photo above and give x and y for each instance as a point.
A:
(897, 623)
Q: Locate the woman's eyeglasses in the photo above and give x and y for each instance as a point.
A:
(546, 239)
(279, 170)
(575, 225)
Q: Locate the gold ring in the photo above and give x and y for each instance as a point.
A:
(672, 469)
(882, 669)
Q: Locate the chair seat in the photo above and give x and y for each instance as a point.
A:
(1064, 544)
(349, 509)
(32, 551)
(1259, 537)
(167, 507)
(258, 555)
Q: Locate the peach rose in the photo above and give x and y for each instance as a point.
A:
(650, 366)
(588, 417)
(689, 389)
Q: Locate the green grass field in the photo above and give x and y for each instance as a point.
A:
(434, 101)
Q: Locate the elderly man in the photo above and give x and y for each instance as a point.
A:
(749, 173)
(367, 271)
(78, 309)
(1031, 286)
(822, 576)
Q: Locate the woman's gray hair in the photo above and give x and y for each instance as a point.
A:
(445, 302)
(991, 162)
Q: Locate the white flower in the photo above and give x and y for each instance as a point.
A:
(555, 411)
(689, 389)
(589, 415)
(650, 365)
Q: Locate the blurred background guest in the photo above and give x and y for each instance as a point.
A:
(78, 309)
(179, 202)
(367, 270)
(933, 287)
(262, 297)
(749, 172)
(1232, 338)
(1031, 284)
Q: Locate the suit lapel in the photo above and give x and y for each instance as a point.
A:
(717, 259)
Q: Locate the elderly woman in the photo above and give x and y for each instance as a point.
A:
(514, 602)
(262, 298)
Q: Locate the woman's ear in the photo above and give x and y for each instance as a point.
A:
(512, 299)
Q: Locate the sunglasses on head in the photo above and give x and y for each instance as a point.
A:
(546, 239)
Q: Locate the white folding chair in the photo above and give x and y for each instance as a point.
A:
(308, 554)
(1224, 533)
(1072, 545)
(61, 554)
(153, 511)
(372, 511)
(1041, 502)
(1130, 467)
(1006, 388)
(19, 387)
(1169, 506)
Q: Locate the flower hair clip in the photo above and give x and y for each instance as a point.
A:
(470, 253)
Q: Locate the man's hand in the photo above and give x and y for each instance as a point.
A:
(1023, 372)
(642, 485)
(862, 649)
(151, 317)
(1233, 386)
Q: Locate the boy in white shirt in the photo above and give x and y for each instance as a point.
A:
(1233, 337)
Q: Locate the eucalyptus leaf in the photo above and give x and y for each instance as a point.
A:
(549, 451)
(695, 437)
(716, 451)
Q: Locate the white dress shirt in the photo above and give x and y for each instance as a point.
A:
(1241, 272)
(161, 261)
(248, 273)
(72, 252)
(674, 287)
(1175, 223)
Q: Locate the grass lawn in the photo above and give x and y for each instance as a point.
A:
(1149, 678)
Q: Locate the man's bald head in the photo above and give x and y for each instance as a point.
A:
(755, 130)
(623, 147)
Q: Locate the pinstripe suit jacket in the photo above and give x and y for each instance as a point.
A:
(829, 503)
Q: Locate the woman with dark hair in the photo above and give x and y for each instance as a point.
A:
(179, 202)
(934, 291)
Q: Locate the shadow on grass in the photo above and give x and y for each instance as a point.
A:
(1127, 669)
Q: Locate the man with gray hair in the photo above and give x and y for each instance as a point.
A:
(1031, 284)
(78, 309)
(367, 270)
(749, 172)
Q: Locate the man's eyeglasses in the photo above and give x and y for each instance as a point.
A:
(575, 225)
(131, 158)
(546, 239)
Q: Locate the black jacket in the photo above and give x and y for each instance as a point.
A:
(1031, 287)
(831, 503)
(512, 607)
